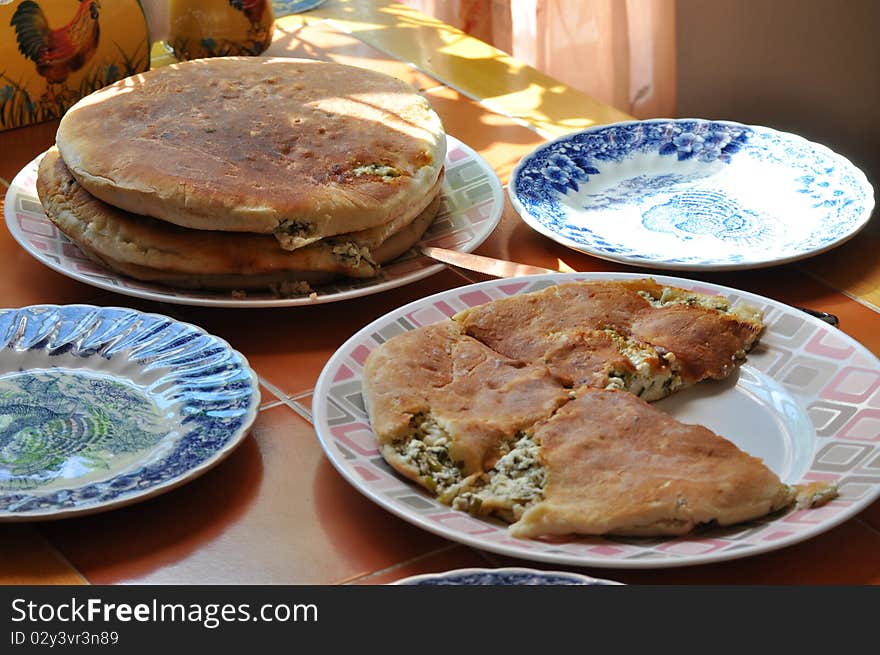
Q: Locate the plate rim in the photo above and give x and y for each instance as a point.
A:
(539, 227)
(581, 578)
(326, 440)
(191, 474)
(180, 296)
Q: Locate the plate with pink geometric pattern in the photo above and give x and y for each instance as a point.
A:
(806, 401)
(472, 204)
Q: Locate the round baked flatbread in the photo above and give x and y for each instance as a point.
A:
(297, 148)
(147, 249)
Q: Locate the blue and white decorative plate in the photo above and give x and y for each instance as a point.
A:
(286, 7)
(691, 194)
(503, 576)
(104, 406)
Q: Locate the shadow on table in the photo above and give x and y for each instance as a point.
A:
(132, 541)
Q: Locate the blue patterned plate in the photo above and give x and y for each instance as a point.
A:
(287, 7)
(691, 194)
(104, 406)
(503, 576)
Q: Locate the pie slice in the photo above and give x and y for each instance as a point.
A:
(614, 464)
(443, 405)
(635, 335)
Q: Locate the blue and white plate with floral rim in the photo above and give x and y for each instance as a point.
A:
(286, 7)
(502, 576)
(104, 406)
(691, 194)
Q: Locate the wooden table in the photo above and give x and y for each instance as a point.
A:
(277, 511)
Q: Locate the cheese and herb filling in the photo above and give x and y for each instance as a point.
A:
(721, 304)
(292, 288)
(292, 234)
(515, 482)
(426, 451)
(654, 375)
(380, 170)
(518, 482)
(351, 253)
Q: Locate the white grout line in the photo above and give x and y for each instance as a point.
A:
(299, 409)
(460, 272)
(61, 556)
(284, 399)
(275, 391)
(67, 561)
(400, 565)
(870, 527)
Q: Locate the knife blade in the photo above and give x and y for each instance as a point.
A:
(502, 268)
(481, 264)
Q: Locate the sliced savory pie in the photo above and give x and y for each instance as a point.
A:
(518, 408)
(437, 393)
(614, 464)
(635, 335)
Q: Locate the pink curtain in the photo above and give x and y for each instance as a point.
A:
(619, 51)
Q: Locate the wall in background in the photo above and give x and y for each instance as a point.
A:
(621, 52)
(805, 66)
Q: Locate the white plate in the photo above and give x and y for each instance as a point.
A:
(691, 194)
(104, 406)
(472, 204)
(806, 401)
(507, 576)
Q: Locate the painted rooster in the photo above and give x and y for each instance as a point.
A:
(57, 52)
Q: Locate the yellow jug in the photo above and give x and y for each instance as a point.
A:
(218, 28)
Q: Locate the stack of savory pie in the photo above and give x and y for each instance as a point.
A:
(246, 173)
(534, 408)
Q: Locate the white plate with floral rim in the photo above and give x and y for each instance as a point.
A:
(101, 407)
(472, 204)
(691, 194)
(805, 402)
(507, 576)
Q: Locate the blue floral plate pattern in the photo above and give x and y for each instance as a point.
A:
(503, 576)
(104, 406)
(691, 194)
(287, 7)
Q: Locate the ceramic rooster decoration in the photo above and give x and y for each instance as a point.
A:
(57, 52)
